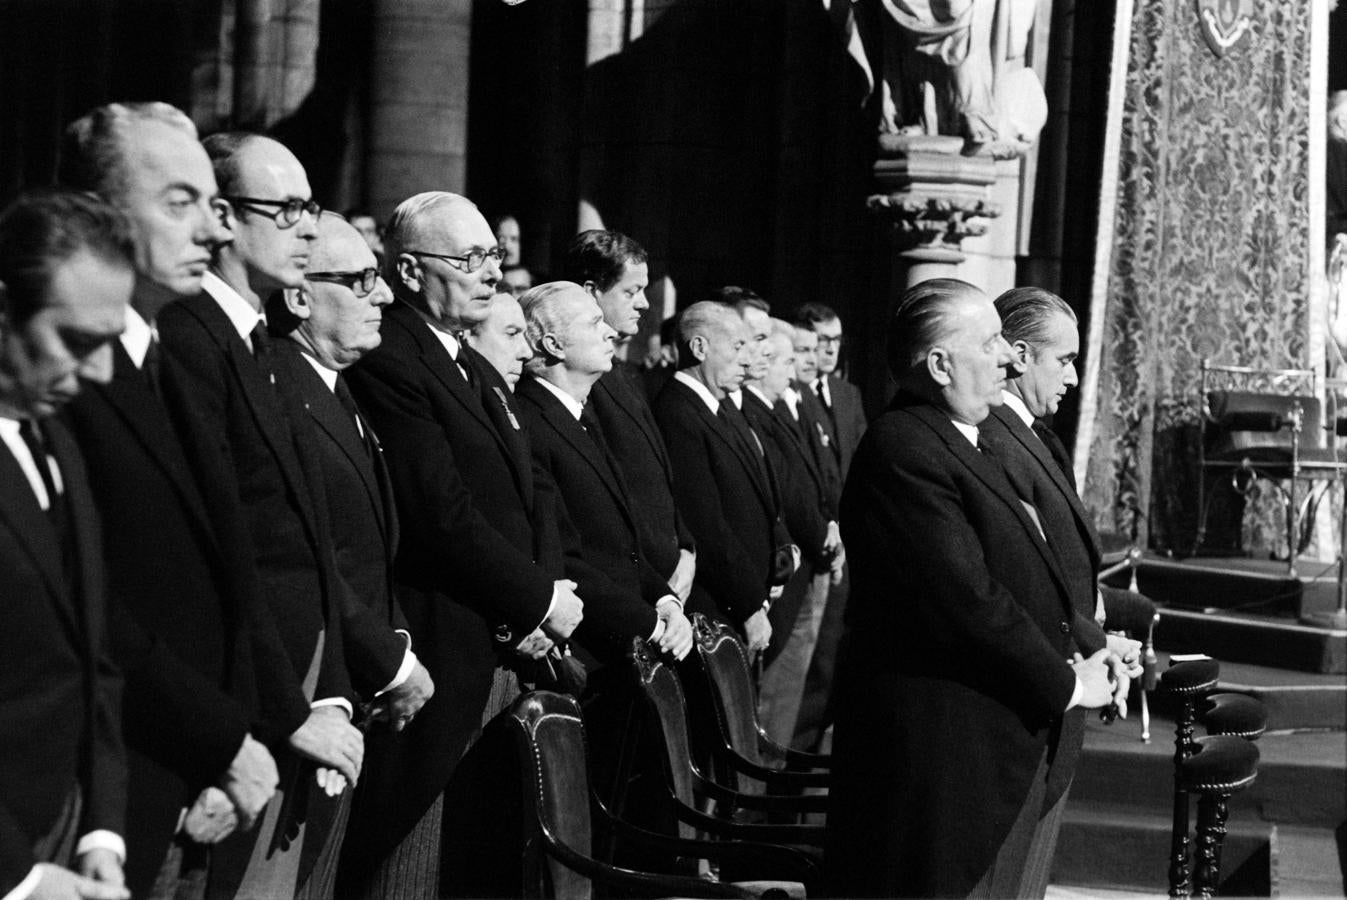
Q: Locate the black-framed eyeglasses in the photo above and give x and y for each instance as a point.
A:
(473, 261)
(829, 340)
(288, 212)
(360, 283)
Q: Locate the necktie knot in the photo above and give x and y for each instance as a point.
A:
(260, 340)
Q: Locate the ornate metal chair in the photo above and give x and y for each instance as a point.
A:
(1268, 424)
(560, 812)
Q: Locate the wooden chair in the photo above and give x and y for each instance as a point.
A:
(1213, 767)
(1135, 615)
(560, 812)
(696, 801)
(723, 706)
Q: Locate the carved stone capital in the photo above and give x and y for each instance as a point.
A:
(932, 194)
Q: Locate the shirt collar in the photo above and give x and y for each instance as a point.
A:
(759, 394)
(968, 431)
(329, 376)
(573, 406)
(1016, 404)
(137, 337)
(239, 311)
(449, 342)
(736, 397)
(792, 398)
(700, 390)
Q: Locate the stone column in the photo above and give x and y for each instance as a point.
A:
(934, 197)
(418, 99)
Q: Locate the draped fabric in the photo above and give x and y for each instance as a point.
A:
(261, 65)
(1210, 258)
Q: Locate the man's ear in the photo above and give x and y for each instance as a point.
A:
(224, 210)
(1023, 353)
(551, 348)
(592, 289)
(938, 365)
(698, 346)
(408, 271)
(299, 302)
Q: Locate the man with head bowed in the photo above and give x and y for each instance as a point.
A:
(185, 608)
(500, 338)
(65, 279)
(959, 659)
(479, 569)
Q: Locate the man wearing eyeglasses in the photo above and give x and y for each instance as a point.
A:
(841, 398)
(478, 569)
(224, 395)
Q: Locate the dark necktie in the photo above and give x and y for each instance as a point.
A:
(150, 366)
(261, 341)
(32, 436)
(821, 390)
(1058, 451)
(348, 403)
(464, 363)
(590, 423)
(742, 433)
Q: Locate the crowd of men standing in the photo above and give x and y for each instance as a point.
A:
(282, 529)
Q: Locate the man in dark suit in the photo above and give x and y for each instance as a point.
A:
(723, 483)
(325, 328)
(613, 268)
(1042, 332)
(500, 339)
(478, 543)
(956, 665)
(179, 626)
(841, 398)
(226, 401)
(572, 347)
(65, 279)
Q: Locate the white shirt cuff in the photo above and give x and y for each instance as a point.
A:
(1076, 694)
(404, 671)
(25, 888)
(102, 839)
(335, 701)
(551, 605)
(1100, 613)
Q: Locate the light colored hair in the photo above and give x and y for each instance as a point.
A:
(784, 329)
(545, 313)
(703, 319)
(93, 147)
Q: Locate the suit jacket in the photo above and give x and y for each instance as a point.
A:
(361, 513)
(477, 549)
(804, 502)
(953, 677)
(635, 439)
(619, 586)
(59, 689)
(729, 507)
(847, 418)
(180, 624)
(814, 430)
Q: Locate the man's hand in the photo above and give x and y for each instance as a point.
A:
(57, 883)
(1128, 653)
(535, 646)
(211, 818)
(1122, 683)
(680, 582)
(101, 865)
(250, 781)
(399, 705)
(1095, 679)
(677, 637)
(331, 781)
(567, 612)
(328, 738)
(758, 631)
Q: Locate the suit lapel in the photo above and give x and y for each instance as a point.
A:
(130, 396)
(30, 525)
(1040, 452)
(721, 430)
(87, 548)
(624, 395)
(992, 475)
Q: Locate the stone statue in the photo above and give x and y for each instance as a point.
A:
(957, 67)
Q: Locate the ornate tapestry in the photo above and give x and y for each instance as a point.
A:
(1210, 256)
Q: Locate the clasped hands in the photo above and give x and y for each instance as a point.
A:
(1107, 675)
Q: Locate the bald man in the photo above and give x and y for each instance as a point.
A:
(723, 487)
(479, 570)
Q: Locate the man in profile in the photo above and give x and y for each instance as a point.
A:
(479, 568)
(500, 338)
(840, 398)
(959, 659)
(722, 482)
(65, 280)
(184, 631)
